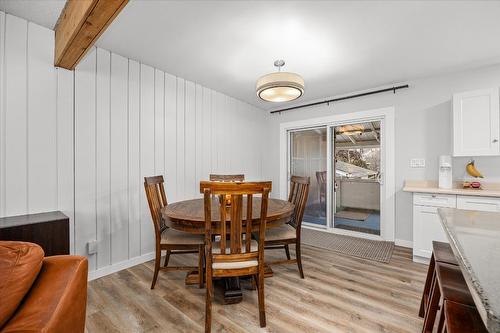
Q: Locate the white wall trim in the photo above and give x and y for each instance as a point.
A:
(403, 243)
(388, 138)
(120, 266)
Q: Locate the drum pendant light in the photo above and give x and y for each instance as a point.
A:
(280, 86)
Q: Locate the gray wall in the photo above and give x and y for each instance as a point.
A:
(423, 130)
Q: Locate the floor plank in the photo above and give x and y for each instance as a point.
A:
(339, 294)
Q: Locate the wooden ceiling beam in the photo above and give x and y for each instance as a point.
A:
(79, 26)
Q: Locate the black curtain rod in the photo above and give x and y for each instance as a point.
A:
(393, 89)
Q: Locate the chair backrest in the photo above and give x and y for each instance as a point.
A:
(321, 177)
(157, 199)
(227, 178)
(299, 191)
(230, 206)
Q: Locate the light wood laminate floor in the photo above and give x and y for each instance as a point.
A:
(339, 294)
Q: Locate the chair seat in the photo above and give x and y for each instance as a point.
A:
(452, 284)
(462, 318)
(174, 237)
(235, 264)
(443, 253)
(285, 231)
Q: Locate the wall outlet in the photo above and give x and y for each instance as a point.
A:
(92, 247)
(417, 163)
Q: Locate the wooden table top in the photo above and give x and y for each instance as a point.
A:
(189, 216)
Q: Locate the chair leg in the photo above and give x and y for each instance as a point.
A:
(262, 308)
(167, 257)
(208, 305)
(441, 319)
(299, 258)
(157, 268)
(287, 251)
(200, 266)
(427, 288)
(430, 314)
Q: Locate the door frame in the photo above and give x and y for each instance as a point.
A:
(387, 199)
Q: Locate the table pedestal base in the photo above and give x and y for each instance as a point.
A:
(231, 287)
(191, 278)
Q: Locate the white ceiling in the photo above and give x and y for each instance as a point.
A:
(42, 12)
(337, 46)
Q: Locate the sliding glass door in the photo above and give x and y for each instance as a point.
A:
(308, 157)
(357, 177)
(345, 161)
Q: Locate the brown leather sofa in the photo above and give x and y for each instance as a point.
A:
(41, 294)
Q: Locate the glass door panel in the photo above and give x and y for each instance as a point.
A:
(308, 157)
(356, 162)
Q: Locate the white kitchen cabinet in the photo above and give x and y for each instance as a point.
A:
(476, 123)
(426, 228)
(426, 223)
(485, 204)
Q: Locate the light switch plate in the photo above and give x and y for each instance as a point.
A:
(417, 163)
(92, 247)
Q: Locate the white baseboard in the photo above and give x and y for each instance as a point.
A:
(403, 243)
(120, 266)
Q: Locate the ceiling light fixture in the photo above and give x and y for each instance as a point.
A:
(280, 86)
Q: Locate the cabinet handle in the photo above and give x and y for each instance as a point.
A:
(495, 140)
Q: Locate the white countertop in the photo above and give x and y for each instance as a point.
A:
(475, 240)
(487, 190)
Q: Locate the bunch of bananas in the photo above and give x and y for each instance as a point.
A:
(472, 171)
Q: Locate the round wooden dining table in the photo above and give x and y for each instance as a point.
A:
(188, 216)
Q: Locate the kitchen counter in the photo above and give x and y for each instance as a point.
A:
(475, 240)
(487, 190)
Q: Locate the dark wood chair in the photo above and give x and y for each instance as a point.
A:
(227, 178)
(282, 237)
(441, 252)
(321, 178)
(168, 239)
(235, 254)
(448, 285)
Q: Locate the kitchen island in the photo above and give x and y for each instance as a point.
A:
(474, 237)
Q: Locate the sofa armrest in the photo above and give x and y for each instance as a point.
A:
(57, 301)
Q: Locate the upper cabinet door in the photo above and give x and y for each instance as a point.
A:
(476, 123)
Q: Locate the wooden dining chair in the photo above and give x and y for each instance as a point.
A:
(227, 178)
(168, 239)
(321, 179)
(281, 237)
(234, 255)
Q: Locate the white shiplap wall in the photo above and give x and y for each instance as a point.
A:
(36, 122)
(82, 141)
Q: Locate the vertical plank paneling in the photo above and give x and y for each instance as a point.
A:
(2, 114)
(180, 138)
(135, 187)
(119, 159)
(199, 137)
(42, 133)
(190, 140)
(213, 139)
(85, 155)
(206, 133)
(82, 141)
(234, 151)
(159, 91)
(102, 158)
(16, 192)
(147, 148)
(171, 137)
(65, 151)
